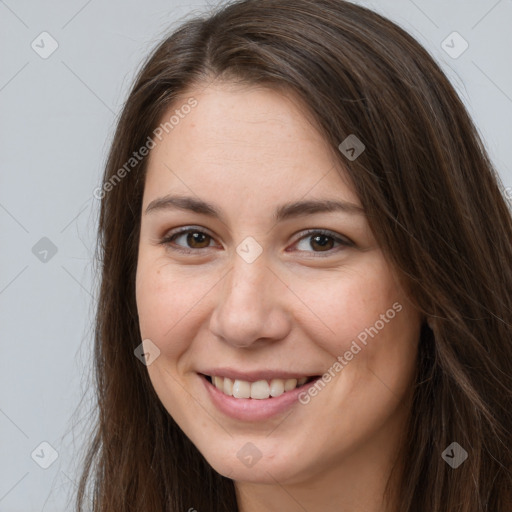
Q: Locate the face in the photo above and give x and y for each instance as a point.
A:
(240, 282)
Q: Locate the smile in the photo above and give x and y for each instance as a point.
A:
(259, 390)
(264, 395)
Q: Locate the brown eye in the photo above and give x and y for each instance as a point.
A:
(194, 239)
(319, 241)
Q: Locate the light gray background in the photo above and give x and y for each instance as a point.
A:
(57, 119)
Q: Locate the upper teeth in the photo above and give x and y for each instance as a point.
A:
(260, 389)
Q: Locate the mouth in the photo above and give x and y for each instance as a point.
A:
(260, 389)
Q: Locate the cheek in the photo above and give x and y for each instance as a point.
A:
(170, 304)
(370, 330)
(153, 301)
(342, 306)
(165, 305)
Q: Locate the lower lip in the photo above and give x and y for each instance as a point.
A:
(252, 409)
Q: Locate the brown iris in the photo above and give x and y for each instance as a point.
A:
(322, 241)
(195, 237)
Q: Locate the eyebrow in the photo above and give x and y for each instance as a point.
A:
(283, 212)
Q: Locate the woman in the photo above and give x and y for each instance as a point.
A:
(306, 298)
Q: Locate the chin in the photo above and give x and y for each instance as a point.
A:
(258, 461)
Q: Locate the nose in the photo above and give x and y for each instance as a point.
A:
(251, 306)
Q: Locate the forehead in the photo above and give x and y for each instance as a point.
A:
(247, 140)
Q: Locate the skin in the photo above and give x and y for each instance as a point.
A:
(296, 307)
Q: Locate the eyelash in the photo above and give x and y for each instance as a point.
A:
(168, 240)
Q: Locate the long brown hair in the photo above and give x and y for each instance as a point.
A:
(434, 203)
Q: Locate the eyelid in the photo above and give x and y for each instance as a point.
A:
(186, 228)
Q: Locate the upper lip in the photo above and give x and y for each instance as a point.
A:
(255, 375)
